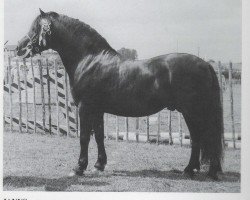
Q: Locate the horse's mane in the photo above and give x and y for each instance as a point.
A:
(104, 59)
(73, 24)
(77, 28)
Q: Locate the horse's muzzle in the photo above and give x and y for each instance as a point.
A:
(24, 52)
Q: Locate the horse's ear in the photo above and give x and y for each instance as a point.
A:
(42, 13)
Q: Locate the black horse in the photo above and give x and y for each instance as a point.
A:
(101, 82)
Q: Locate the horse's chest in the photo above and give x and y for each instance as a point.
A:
(86, 92)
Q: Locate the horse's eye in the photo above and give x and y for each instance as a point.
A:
(29, 46)
(34, 40)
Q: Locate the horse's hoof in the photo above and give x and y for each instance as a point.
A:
(77, 171)
(96, 171)
(99, 167)
(74, 173)
(213, 176)
(189, 173)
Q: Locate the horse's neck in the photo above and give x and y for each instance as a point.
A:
(72, 49)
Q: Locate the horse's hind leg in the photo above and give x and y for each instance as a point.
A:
(98, 127)
(193, 126)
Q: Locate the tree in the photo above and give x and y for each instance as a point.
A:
(128, 54)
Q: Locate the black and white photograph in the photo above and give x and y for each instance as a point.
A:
(136, 96)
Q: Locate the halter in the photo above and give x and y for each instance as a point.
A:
(28, 47)
(45, 29)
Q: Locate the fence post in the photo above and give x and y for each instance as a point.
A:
(6, 77)
(147, 127)
(126, 125)
(26, 93)
(10, 92)
(66, 102)
(158, 127)
(57, 100)
(19, 97)
(231, 101)
(42, 93)
(170, 127)
(78, 123)
(49, 98)
(76, 116)
(221, 97)
(137, 125)
(180, 127)
(34, 93)
(117, 128)
(5, 81)
(220, 78)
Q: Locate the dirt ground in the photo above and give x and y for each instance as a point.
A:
(42, 163)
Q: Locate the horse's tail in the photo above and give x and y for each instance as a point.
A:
(212, 143)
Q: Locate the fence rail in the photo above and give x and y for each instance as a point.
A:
(43, 91)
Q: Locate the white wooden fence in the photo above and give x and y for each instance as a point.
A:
(37, 99)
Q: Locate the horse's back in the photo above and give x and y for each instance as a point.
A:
(192, 81)
(184, 66)
(143, 87)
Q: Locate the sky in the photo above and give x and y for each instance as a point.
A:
(152, 27)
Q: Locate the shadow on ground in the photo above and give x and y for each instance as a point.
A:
(178, 175)
(61, 184)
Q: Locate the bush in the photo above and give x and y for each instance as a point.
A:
(236, 74)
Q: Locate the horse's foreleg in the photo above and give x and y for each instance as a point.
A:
(99, 137)
(86, 122)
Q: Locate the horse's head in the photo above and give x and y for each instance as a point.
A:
(38, 38)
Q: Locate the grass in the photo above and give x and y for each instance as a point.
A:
(41, 163)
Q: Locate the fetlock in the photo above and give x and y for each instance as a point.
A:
(189, 171)
(197, 166)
